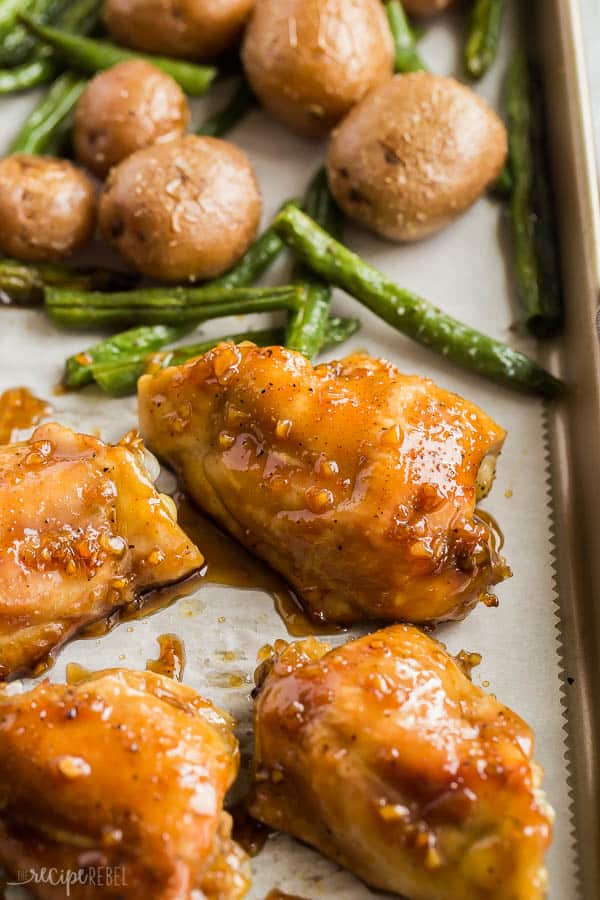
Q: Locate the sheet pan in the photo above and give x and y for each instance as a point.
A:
(541, 646)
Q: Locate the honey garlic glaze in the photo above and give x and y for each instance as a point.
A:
(225, 563)
(250, 834)
(357, 483)
(19, 408)
(171, 657)
(445, 799)
(228, 563)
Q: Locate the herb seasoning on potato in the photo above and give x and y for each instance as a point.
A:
(47, 207)
(414, 154)
(310, 61)
(182, 210)
(189, 29)
(124, 109)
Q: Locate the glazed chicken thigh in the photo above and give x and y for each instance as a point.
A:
(119, 778)
(82, 531)
(384, 756)
(356, 482)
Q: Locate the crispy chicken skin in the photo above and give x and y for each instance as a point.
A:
(125, 771)
(82, 531)
(384, 756)
(354, 481)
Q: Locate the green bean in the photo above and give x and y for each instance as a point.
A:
(38, 71)
(409, 313)
(248, 269)
(15, 42)
(164, 306)
(24, 284)
(18, 45)
(483, 36)
(44, 126)
(406, 55)
(503, 186)
(255, 262)
(239, 105)
(119, 377)
(88, 55)
(137, 341)
(9, 10)
(306, 327)
(339, 329)
(82, 16)
(319, 204)
(534, 239)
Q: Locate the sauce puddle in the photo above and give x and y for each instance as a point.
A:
(228, 563)
(247, 832)
(75, 673)
(467, 661)
(171, 657)
(19, 408)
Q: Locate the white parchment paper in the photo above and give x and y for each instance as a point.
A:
(464, 271)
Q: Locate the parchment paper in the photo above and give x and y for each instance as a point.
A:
(464, 271)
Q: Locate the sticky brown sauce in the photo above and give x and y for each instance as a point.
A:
(171, 657)
(247, 832)
(228, 563)
(496, 533)
(19, 408)
(488, 598)
(75, 673)
(468, 661)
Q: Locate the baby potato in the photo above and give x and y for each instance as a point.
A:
(426, 7)
(123, 109)
(414, 154)
(191, 29)
(310, 61)
(47, 207)
(182, 210)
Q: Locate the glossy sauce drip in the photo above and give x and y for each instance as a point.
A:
(228, 563)
(467, 661)
(19, 408)
(496, 543)
(247, 832)
(171, 658)
(496, 534)
(75, 673)
(226, 679)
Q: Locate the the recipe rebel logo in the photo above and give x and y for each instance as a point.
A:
(90, 876)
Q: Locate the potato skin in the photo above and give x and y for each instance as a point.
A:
(191, 29)
(47, 207)
(130, 106)
(182, 210)
(415, 154)
(427, 7)
(310, 61)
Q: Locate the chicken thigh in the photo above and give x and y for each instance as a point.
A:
(118, 783)
(354, 481)
(82, 531)
(383, 755)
